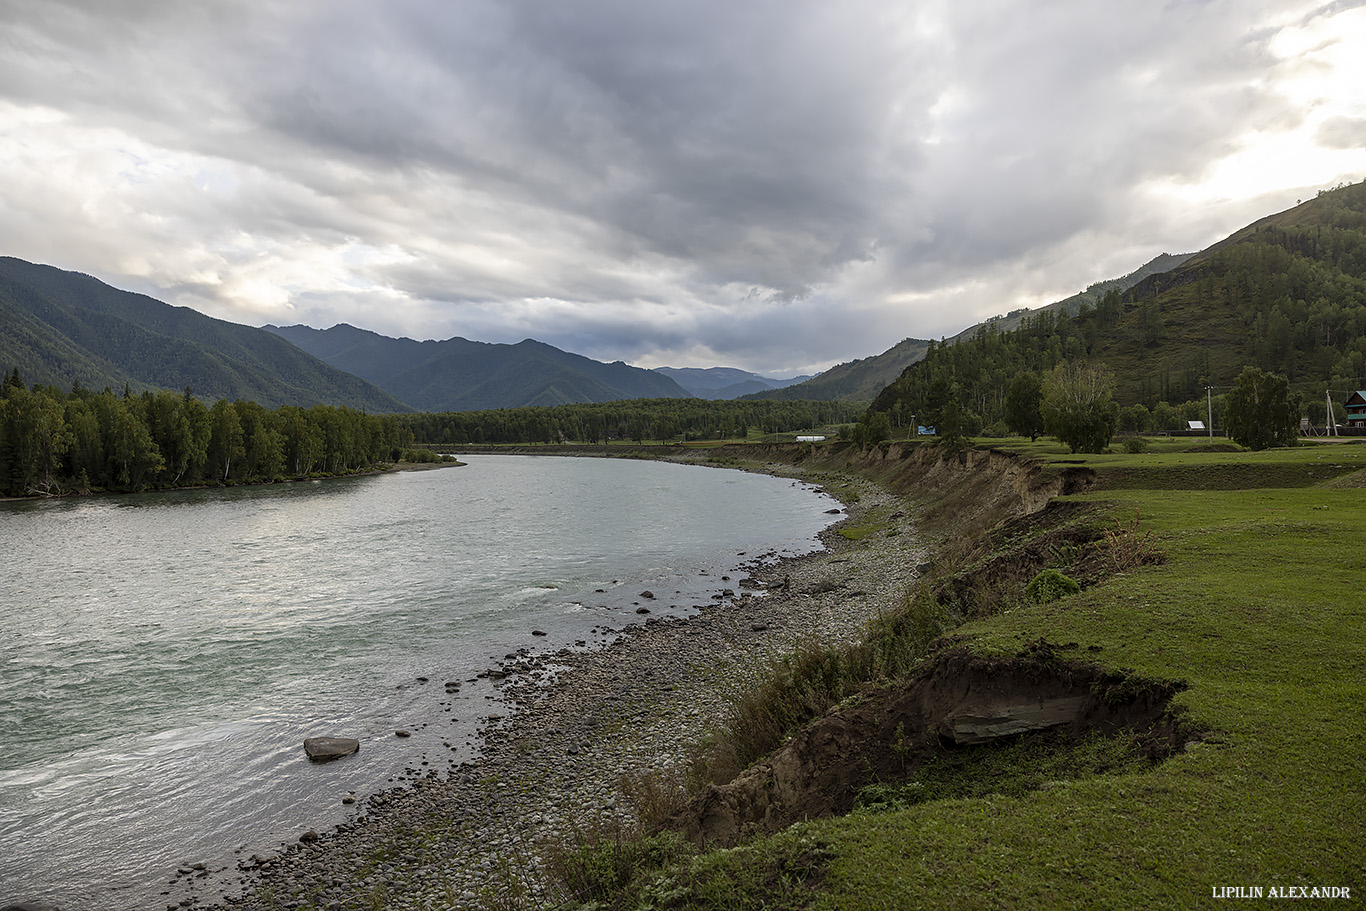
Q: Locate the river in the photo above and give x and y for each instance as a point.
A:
(164, 655)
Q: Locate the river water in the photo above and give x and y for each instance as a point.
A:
(163, 656)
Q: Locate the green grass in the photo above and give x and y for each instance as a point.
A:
(1194, 464)
(1260, 607)
(781, 874)
(1260, 610)
(863, 530)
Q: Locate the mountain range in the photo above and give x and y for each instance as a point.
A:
(59, 328)
(63, 327)
(724, 382)
(1282, 293)
(461, 375)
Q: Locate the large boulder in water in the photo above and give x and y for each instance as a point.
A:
(323, 749)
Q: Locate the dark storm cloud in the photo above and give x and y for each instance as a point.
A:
(748, 140)
(791, 183)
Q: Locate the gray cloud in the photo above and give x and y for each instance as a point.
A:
(1343, 133)
(777, 185)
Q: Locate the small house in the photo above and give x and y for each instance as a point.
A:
(1356, 410)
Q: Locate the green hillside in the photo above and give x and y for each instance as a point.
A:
(863, 379)
(61, 328)
(1071, 306)
(853, 381)
(1286, 295)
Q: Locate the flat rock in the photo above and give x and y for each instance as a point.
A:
(1009, 720)
(323, 749)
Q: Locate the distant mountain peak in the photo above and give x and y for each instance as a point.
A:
(724, 382)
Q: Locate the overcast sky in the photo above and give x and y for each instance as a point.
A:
(778, 185)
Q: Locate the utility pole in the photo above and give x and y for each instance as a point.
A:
(1209, 400)
(1332, 424)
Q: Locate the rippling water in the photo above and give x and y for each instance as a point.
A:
(164, 655)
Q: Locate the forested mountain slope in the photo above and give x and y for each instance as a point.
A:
(1286, 294)
(1071, 306)
(60, 328)
(462, 375)
(863, 379)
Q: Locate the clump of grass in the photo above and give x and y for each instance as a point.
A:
(1129, 548)
(655, 795)
(601, 871)
(378, 898)
(605, 864)
(803, 686)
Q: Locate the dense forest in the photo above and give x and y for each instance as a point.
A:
(54, 442)
(80, 441)
(1286, 295)
(637, 419)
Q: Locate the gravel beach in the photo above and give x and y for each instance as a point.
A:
(471, 836)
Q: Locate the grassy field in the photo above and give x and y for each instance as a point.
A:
(1259, 607)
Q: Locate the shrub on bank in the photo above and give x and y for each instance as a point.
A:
(1050, 585)
(421, 456)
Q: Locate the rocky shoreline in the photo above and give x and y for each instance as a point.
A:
(473, 838)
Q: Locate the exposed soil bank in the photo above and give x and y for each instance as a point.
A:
(958, 699)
